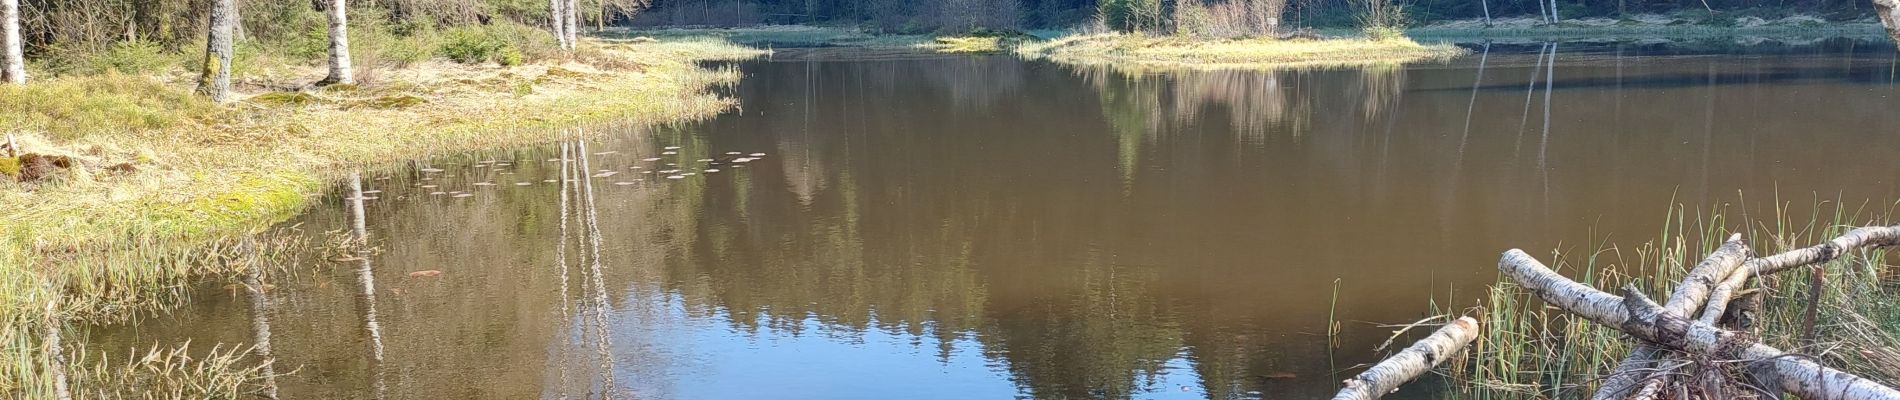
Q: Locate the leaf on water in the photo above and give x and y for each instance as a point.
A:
(372, 191)
(523, 183)
(650, 159)
(672, 147)
(710, 171)
(623, 183)
(464, 195)
(606, 152)
(668, 153)
(438, 193)
(425, 274)
(431, 170)
(606, 174)
(675, 177)
(758, 154)
(484, 184)
(705, 160)
(428, 186)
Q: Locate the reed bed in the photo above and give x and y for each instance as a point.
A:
(1528, 350)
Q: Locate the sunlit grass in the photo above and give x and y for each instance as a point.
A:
(1178, 52)
(966, 44)
(205, 172)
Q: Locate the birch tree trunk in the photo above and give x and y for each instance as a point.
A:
(573, 23)
(1638, 316)
(557, 19)
(1408, 364)
(1695, 289)
(340, 69)
(13, 63)
(1889, 11)
(216, 81)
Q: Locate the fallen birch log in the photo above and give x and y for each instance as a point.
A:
(1688, 297)
(1636, 315)
(1400, 368)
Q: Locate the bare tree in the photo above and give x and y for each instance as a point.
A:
(340, 71)
(13, 65)
(216, 80)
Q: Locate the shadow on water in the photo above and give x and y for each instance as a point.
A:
(985, 227)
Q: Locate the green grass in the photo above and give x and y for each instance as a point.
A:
(1140, 51)
(1528, 350)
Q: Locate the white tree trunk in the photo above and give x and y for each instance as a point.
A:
(216, 81)
(1695, 289)
(1889, 11)
(573, 23)
(1408, 364)
(1643, 319)
(340, 69)
(1873, 236)
(557, 19)
(13, 63)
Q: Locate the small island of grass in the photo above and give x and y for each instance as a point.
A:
(1138, 50)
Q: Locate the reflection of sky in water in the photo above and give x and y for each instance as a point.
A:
(711, 359)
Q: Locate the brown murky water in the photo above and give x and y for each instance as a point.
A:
(983, 227)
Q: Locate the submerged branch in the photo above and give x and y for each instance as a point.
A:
(1410, 363)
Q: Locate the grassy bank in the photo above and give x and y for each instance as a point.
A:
(1651, 26)
(1140, 51)
(1528, 350)
(157, 168)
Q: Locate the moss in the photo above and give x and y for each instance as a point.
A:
(10, 167)
(296, 99)
(392, 102)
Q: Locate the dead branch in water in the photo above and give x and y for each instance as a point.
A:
(1639, 317)
(1710, 351)
(1408, 364)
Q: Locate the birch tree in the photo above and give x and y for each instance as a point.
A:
(1889, 11)
(557, 19)
(573, 23)
(340, 71)
(216, 80)
(13, 63)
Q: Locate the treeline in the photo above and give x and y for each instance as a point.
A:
(225, 39)
(1160, 15)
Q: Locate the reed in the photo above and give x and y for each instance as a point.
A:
(1529, 350)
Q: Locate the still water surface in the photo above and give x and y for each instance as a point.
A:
(983, 227)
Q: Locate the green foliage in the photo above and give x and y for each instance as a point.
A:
(130, 57)
(505, 44)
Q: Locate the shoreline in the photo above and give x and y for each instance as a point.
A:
(114, 240)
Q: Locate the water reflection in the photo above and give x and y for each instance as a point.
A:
(982, 227)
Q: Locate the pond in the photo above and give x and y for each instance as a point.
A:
(931, 226)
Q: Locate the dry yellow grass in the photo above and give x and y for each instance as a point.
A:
(960, 44)
(206, 172)
(1139, 51)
